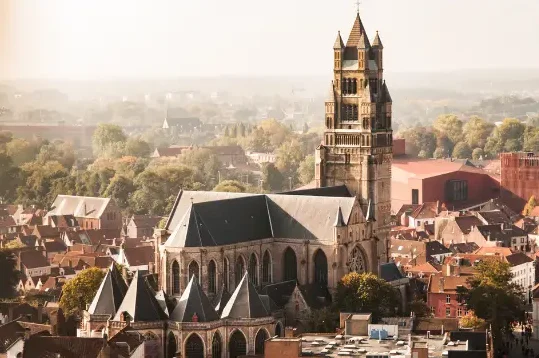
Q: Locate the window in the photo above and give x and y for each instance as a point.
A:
(212, 285)
(266, 268)
(290, 264)
(521, 240)
(432, 310)
(448, 312)
(415, 196)
(456, 190)
(448, 299)
(459, 312)
(194, 270)
(320, 267)
(175, 278)
(253, 269)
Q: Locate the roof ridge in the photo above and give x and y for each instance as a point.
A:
(269, 215)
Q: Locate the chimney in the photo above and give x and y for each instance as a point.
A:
(40, 313)
(441, 288)
(151, 267)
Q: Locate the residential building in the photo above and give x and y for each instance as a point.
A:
(89, 212)
(443, 296)
(260, 158)
(33, 263)
(141, 226)
(523, 270)
(137, 258)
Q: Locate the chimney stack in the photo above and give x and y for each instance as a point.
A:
(441, 288)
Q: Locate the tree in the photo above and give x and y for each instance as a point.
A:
(137, 147)
(59, 151)
(532, 203)
(419, 139)
(272, 177)
(120, 189)
(471, 321)
(10, 276)
(289, 158)
(422, 154)
(80, 291)
(38, 182)
(439, 153)
(241, 130)
(231, 186)
(9, 178)
(324, 320)
(20, 151)
(477, 153)
(449, 125)
(462, 151)
(419, 308)
(306, 170)
(494, 298)
(105, 136)
(366, 292)
(476, 132)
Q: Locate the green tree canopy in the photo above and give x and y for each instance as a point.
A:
(137, 147)
(476, 132)
(21, 151)
(80, 291)
(120, 189)
(231, 186)
(462, 151)
(477, 153)
(306, 170)
(450, 126)
(10, 276)
(107, 136)
(366, 293)
(530, 205)
(273, 179)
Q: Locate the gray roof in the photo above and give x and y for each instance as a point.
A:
(197, 222)
(245, 302)
(221, 300)
(339, 221)
(110, 294)
(518, 258)
(194, 302)
(140, 302)
(390, 272)
(280, 292)
(79, 206)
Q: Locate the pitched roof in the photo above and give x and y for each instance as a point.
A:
(7, 221)
(494, 217)
(377, 42)
(145, 221)
(390, 272)
(46, 231)
(338, 191)
(140, 302)
(426, 268)
(280, 292)
(426, 168)
(357, 30)
(338, 42)
(79, 206)
(194, 302)
(168, 151)
(464, 247)
(64, 346)
(466, 223)
(426, 210)
(245, 302)
(141, 255)
(13, 331)
(33, 259)
(446, 284)
(110, 294)
(436, 248)
(221, 299)
(54, 246)
(339, 221)
(518, 258)
(64, 220)
(229, 219)
(497, 250)
(315, 295)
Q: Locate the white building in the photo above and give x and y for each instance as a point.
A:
(523, 270)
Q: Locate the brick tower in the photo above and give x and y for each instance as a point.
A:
(356, 149)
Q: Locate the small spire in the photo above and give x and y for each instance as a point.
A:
(377, 42)
(339, 220)
(331, 94)
(363, 42)
(339, 44)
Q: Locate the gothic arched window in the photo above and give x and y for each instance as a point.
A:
(212, 274)
(216, 346)
(194, 347)
(266, 268)
(354, 86)
(290, 265)
(226, 273)
(171, 345)
(175, 278)
(356, 263)
(240, 269)
(253, 269)
(261, 337)
(194, 270)
(320, 267)
(237, 345)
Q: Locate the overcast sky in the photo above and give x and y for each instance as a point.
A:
(81, 39)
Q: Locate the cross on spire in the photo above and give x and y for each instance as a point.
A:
(358, 3)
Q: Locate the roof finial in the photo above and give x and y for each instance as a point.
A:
(358, 2)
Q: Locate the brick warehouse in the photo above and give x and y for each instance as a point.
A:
(520, 178)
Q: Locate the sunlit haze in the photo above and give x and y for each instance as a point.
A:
(76, 39)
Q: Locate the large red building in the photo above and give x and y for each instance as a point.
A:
(456, 183)
(519, 178)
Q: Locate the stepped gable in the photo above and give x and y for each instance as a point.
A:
(245, 302)
(194, 305)
(110, 294)
(140, 302)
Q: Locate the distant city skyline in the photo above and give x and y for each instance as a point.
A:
(75, 39)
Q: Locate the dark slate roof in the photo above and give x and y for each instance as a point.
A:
(280, 292)
(140, 302)
(340, 191)
(245, 302)
(495, 217)
(66, 347)
(465, 223)
(141, 255)
(497, 233)
(467, 354)
(339, 221)
(12, 331)
(221, 299)
(110, 294)
(316, 295)
(477, 341)
(33, 259)
(194, 302)
(436, 248)
(518, 258)
(201, 219)
(269, 304)
(390, 272)
(464, 248)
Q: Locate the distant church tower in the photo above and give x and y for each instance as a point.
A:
(356, 149)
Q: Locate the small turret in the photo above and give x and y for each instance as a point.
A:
(377, 42)
(339, 44)
(339, 220)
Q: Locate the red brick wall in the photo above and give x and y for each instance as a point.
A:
(438, 301)
(519, 178)
(399, 147)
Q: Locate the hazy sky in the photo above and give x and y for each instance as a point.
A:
(81, 39)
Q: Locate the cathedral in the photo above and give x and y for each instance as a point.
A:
(234, 268)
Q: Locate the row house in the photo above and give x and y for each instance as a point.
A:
(444, 297)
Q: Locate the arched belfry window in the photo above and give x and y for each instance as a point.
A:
(175, 278)
(260, 339)
(194, 347)
(194, 270)
(216, 346)
(253, 269)
(266, 268)
(171, 345)
(320, 267)
(237, 345)
(240, 269)
(212, 277)
(290, 265)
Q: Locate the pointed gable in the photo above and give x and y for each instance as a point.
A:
(110, 294)
(339, 221)
(377, 42)
(194, 302)
(245, 302)
(355, 34)
(221, 300)
(339, 44)
(140, 302)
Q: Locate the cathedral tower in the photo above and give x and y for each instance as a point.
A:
(356, 149)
